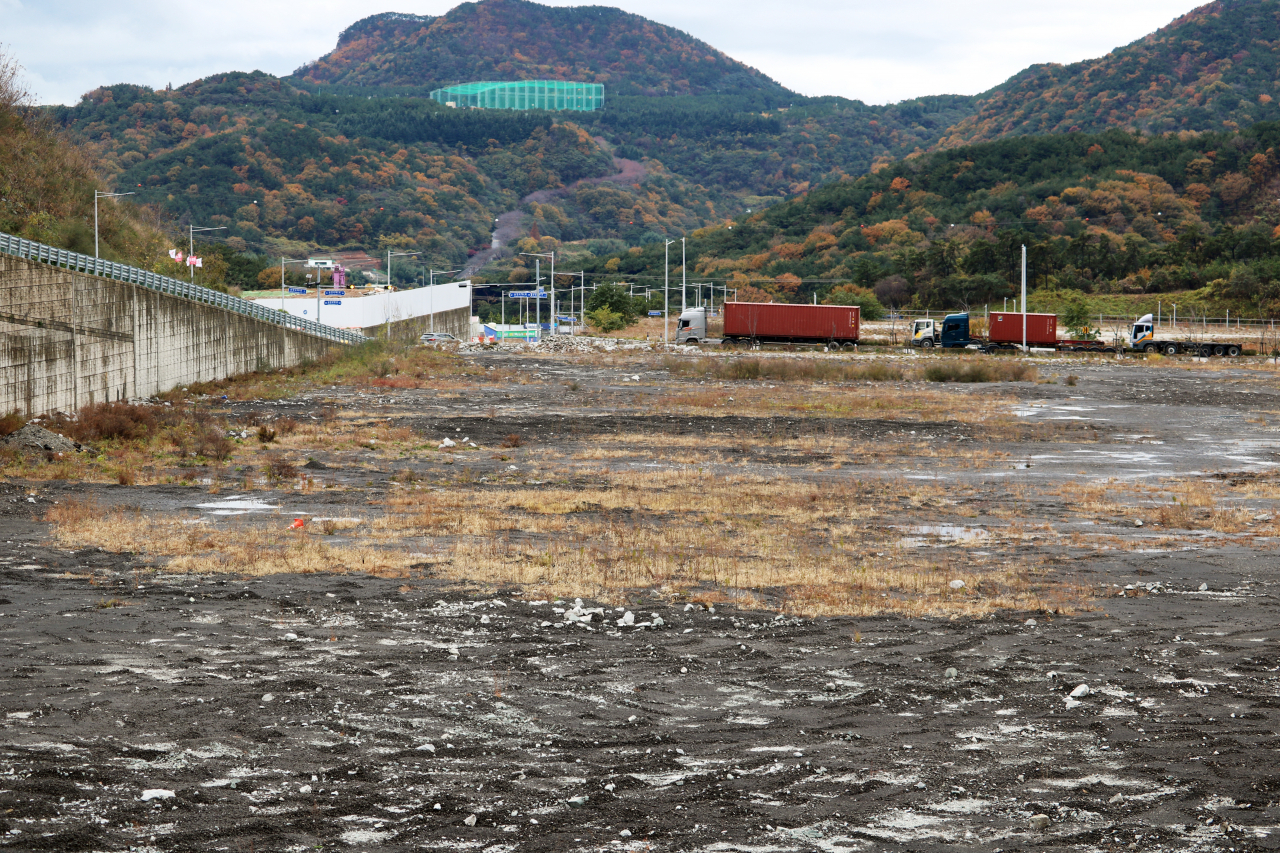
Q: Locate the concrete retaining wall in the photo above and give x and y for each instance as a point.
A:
(68, 339)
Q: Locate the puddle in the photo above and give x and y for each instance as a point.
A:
(237, 505)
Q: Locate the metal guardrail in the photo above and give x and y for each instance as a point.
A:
(45, 254)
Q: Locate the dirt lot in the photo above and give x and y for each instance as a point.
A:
(817, 614)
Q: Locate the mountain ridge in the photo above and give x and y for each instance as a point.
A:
(520, 40)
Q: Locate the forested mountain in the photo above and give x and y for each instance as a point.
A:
(522, 40)
(47, 184)
(1215, 68)
(1100, 213)
(348, 153)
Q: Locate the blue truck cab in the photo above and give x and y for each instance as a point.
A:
(955, 332)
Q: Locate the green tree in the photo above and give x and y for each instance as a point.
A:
(604, 320)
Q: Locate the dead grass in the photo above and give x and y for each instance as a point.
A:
(191, 546)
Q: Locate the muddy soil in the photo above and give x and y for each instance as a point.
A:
(144, 710)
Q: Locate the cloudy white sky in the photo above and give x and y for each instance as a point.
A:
(873, 50)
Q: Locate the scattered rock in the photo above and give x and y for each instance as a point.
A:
(1204, 587)
(268, 697)
(1030, 623)
(628, 618)
(1081, 691)
(1039, 822)
(305, 789)
(1117, 799)
(577, 802)
(956, 584)
(157, 794)
(951, 672)
(470, 820)
(626, 833)
(1137, 522)
(448, 442)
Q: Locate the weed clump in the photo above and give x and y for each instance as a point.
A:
(104, 421)
(11, 423)
(513, 440)
(957, 370)
(279, 469)
(266, 434)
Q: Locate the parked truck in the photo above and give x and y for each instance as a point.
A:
(1142, 338)
(835, 326)
(1005, 332)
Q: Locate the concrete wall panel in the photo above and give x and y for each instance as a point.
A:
(68, 339)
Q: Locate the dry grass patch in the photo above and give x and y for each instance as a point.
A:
(806, 549)
(192, 546)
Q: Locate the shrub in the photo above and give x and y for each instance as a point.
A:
(266, 434)
(513, 440)
(278, 468)
(286, 426)
(604, 320)
(11, 423)
(102, 421)
(211, 443)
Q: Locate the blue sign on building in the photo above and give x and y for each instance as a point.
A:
(333, 302)
(335, 293)
(297, 290)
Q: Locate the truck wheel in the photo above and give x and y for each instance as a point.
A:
(1219, 349)
(693, 341)
(1233, 351)
(1170, 349)
(1150, 348)
(927, 343)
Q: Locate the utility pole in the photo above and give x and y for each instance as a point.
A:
(684, 278)
(191, 246)
(666, 299)
(1024, 298)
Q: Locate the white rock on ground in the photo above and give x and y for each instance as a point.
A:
(1039, 822)
(470, 820)
(1081, 691)
(956, 584)
(157, 794)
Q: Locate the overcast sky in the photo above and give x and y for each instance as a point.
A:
(878, 52)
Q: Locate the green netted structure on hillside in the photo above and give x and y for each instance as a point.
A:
(523, 95)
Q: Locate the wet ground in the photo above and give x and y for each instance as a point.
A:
(152, 711)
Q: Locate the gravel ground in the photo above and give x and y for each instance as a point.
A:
(144, 710)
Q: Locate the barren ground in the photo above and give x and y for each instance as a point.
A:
(798, 671)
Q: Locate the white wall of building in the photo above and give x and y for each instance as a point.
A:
(361, 312)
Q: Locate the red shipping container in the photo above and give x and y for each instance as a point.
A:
(779, 321)
(1005, 327)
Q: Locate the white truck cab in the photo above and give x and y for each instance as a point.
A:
(692, 327)
(1143, 332)
(924, 333)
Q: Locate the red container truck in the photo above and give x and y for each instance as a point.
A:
(778, 322)
(1005, 327)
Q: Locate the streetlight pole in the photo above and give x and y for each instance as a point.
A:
(666, 299)
(391, 255)
(431, 294)
(684, 278)
(552, 256)
(191, 245)
(97, 195)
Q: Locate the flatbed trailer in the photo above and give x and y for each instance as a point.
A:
(1143, 339)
